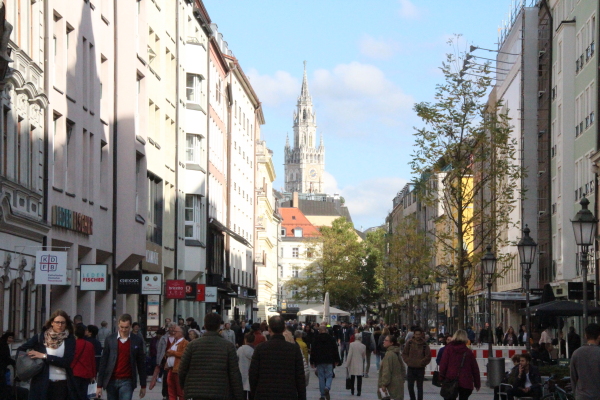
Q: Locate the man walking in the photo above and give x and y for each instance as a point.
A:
(209, 366)
(228, 334)
(324, 355)
(241, 334)
(369, 341)
(103, 332)
(277, 367)
(164, 343)
(123, 360)
(485, 334)
(344, 335)
(416, 356)
(585, 366)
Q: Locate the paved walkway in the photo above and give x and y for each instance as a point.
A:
(369, 389)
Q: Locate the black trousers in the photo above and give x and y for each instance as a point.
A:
(358, 379)
(536, 393)
(165, 387)
(415, 375)
(81, 386)
(463, 394)
(57, 390)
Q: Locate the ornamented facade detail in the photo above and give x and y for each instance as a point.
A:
(305, 161)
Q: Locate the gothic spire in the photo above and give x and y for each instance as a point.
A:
(287, 141)
(304, 93)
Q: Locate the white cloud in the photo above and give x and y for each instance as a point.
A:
(408, 10)
(379, 49)
(274, 90)
(368, 201)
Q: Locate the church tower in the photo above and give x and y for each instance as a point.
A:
(305, 161)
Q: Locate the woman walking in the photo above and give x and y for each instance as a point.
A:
(84, 363)
(357, 354)
(56, 347)
(456, 353)
(392, 371)
(244, 354)
(511, 338)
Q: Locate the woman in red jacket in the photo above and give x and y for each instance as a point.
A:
(468, 375)
(84, 363)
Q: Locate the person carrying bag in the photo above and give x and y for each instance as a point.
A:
(459, 371)
(83, 365)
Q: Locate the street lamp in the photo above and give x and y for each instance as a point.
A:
(426, 290)
(527, 247)
(450, 285)
(584, 228)
(437, 286)
(488, 262)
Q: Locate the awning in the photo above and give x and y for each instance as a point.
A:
(318, 310)
(228, 231)
(507, 296)
(559, 308)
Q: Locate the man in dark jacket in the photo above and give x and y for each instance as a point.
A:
(277, 368)
(324, 356)
(344, 335)
(241, 333)
(209, 366)
(485, 334)
(416, 356)
(123, 358)
(573, 340)
(528, 382)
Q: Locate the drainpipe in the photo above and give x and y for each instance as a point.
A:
(177, 113)
(114, 172)
(46, 144)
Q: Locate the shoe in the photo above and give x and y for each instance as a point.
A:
(366, 375)
(327, 394)
(357, 393)
(352, 392)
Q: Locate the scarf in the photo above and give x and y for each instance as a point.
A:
(54, 339)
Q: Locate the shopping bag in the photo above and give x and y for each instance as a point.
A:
(435, 381)
(348, 380)
(91, 392)
(28, 367)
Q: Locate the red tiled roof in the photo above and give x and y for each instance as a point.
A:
(294, 218)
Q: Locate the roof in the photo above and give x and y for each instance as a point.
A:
(294, 218)
(321, 208)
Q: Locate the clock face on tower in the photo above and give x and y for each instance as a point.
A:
(312, 173)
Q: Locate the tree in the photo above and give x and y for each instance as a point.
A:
(467, 139)
(337, 256)
(369, 269)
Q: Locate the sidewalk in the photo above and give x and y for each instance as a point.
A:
(369, 389)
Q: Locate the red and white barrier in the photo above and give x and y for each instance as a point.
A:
(481, 355)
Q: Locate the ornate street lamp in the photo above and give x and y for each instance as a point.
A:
(527, 247)
(488, 262)
(426, 290)
(451, 283)
(437, 286)
(584, 228)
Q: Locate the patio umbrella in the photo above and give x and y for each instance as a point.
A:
(326, 311)
(559, 309)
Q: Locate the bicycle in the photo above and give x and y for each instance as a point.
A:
(554, 391)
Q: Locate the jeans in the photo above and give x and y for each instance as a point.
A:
(368, 362)
(344, 347)
(325, 372)
(358, 379)
(415, 375)
(119, 389)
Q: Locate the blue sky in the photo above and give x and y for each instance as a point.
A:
(368, 61)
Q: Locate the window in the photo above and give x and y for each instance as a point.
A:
(155, 208)
(297, 232)
(193, 88)
(194, 149)
(5, 115)
(69, 152)
(295, 272)
(295, 252)
(15, 308)
(194, 217)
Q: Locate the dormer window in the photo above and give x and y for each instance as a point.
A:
(283, 232)
(297, 232)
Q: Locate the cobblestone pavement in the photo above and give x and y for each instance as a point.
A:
(369, 389)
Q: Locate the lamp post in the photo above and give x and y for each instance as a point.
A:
(450, 282)
(489, 268)
(437, 286)
(419, 292)
(426, 290)
(584, 228)
(411, 291)
(527, 247)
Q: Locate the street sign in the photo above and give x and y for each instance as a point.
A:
(333, 317)
(51, 268)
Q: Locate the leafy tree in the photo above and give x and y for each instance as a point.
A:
(467, 139)
(337, 256)
(368, 270)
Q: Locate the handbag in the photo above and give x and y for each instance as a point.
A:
(449, 388)
(435, 381)
(348, 380)
(91, 391)
(26, 367)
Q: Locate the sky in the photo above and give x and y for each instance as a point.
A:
(368, 63)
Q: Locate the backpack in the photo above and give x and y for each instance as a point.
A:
(366, 340)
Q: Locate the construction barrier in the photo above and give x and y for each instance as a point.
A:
(481, 353)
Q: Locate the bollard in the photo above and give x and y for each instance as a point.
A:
(495, 371)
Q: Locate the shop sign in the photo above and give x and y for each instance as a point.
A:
(153, 311)
(200, 292)
(575, 290)
(152, 284)
(129, 282)
(175, 289)
(210, 294)
(190, 291)
(94, 277)
(72, 220)
(51, 268)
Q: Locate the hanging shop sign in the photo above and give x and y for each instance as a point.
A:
(190, 291)
(94, 277)
(152, 284)
(210, 294)
(129, 282)
(51, 268)
(575, 290)
(175, 289)
(72, 220)
(153, 310)
(200, 292)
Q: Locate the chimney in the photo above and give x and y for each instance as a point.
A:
(295, 200)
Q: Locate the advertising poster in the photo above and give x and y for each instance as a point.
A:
(175, 289)
(200, 292)
(152, 284)
(129, 282)
(210, 294)
(190, 291)
(153, 311)
(94, 277)
(51, 268)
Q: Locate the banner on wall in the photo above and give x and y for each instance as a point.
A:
(152, 284)
(94, 277)
(129, 282)
(210, 294)
(200, 292)
(175, 289)
(51, 268)
(190, 291)
(153, 311)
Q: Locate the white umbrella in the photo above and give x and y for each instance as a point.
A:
(326, 312)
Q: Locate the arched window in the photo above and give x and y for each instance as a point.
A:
(2, 282)
(14, 320)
